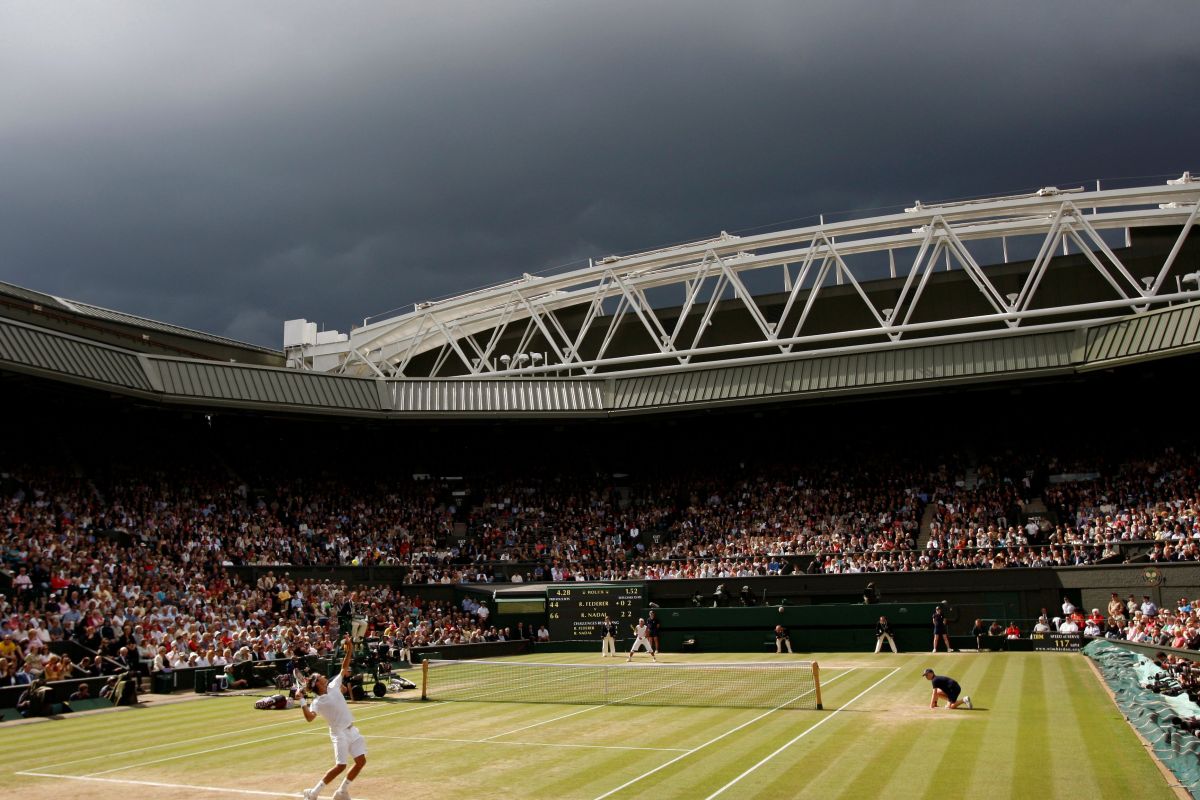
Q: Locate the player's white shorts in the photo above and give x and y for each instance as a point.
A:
(347, 743)
(641, 642)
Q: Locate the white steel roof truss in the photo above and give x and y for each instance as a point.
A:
(818, 283)
(485, 358)
(423, 332)
(613, 324)
(918, 259)
(925, 263)
(1179, 240)
(710, 308)
(1070, 233)
(1041, 262)
(354, 354)
(797, 287)
(1064, 230)
(740, 292)
(440, 361)
(480, 363)
(531, 325)
(645, 313)
(691, 290)
(941, 232)
(955, 247)
(452, 341)
(1082, 221)
(1073, 219)
(594, 308)
(539, 313)
(849, 275)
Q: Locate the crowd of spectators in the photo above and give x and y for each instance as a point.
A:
(748, 523)
(134, 564)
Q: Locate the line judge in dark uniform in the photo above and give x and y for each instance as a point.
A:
(653, 628)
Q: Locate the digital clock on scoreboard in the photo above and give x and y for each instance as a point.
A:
(577, 611)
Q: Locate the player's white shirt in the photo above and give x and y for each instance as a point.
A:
(332, 706)
(641, 631)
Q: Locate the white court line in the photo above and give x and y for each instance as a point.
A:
(231, 746)
(220, 789)
(523, 744)
(224, 735)
(584, 711)
(543, 722)
(687, 753)
(802, 734)
(190, 755)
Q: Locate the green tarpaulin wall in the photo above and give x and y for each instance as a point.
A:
(1151, 713)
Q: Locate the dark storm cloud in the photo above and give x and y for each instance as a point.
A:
(229, 166)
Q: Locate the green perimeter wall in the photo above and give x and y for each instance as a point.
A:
(811, 628)
(1017, 594)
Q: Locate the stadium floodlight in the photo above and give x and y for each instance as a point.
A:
(1192, 277)
(537, 357)
(505, 359)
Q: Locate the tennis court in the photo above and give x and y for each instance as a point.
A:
(1043, 726)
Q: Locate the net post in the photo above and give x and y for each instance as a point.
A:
(817, 683)
(425, 679)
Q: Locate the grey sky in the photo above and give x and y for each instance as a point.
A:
(227, 166)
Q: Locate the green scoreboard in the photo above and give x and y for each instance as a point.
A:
(576, 611)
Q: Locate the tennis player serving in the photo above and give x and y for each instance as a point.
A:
(347, 741)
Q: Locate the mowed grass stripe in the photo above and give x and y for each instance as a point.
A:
(968, 755)
(558, 773)
(207, 749)
(1103, 731)
(816, 768)
(1070, 743)
(1034, 737)
(716, 764)
(837, 746)
(890, 744)
(890, 733)
(135, 744)
(101, 735)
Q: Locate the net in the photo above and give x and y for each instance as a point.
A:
(784, 684)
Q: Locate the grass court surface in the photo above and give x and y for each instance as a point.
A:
(1042, 727)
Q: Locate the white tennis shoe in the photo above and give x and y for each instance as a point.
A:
(341, 794)
(968, 702)
(309, 794)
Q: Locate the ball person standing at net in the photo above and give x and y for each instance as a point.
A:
(883, 630)
(347, 741)
(641, 638)
(608, 637)
(653, 628)
(948, 688)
